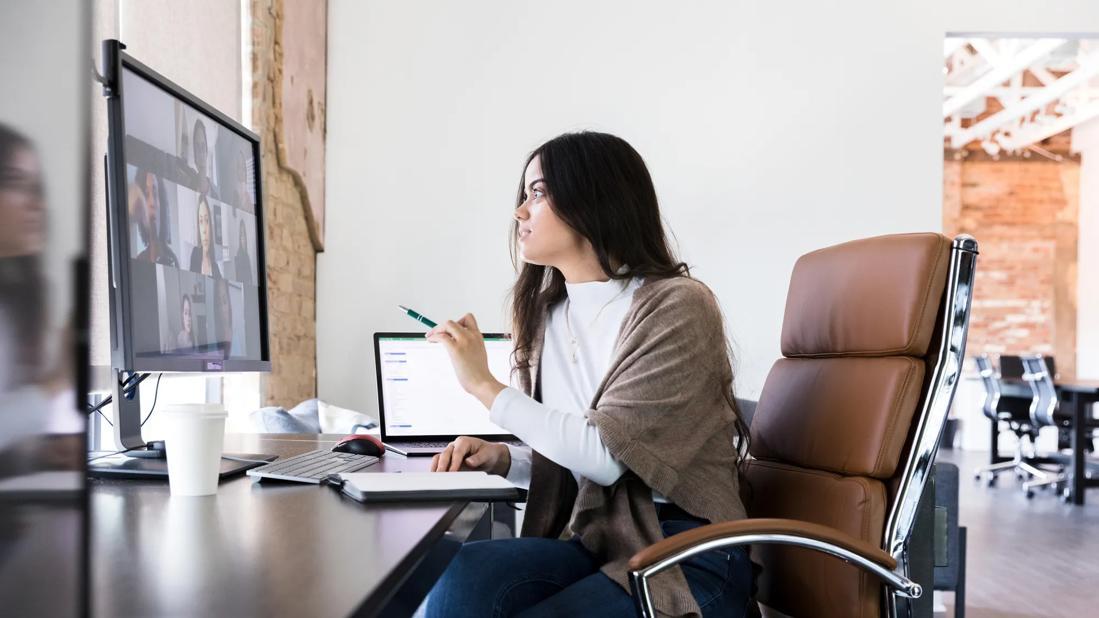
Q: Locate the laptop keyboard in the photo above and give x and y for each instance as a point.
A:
(313, 466)
(438, 445)
(442, 445)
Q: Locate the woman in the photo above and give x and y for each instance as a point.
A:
(223, 319)
(201, 154)
(202, 256)
(244, 190)
(22, 240)
(632, 422)
(41, 430)
(148, 216)
(185, 340)
(242, 264)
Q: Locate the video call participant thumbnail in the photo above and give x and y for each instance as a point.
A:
(223, 318)
(185, 340)
(145, 205)
(203, 261)
(242, 262)
(202, 153)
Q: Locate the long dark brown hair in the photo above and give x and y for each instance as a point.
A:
(22, 286)
(599, 186)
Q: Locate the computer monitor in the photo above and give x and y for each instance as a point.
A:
(186, 218)
(186, 234)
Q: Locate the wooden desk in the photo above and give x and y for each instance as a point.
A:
(1079, 395)
(268, 549)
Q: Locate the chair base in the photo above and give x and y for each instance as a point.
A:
(1032, 476)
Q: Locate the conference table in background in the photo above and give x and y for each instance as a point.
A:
(270, 548)
(1079, 395)
(1076, 398)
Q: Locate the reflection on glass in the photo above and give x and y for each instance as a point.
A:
(43, 212)
(35, 364)
(41, 433)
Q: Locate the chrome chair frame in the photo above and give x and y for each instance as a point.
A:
(957, 303)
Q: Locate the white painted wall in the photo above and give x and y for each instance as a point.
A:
(1085, 140)
(771, 128)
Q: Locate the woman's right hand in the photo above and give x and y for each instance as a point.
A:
(468, 453)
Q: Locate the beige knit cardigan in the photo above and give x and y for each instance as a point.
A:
(664, 409)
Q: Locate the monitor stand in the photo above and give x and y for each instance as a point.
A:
(147, 459)
(122, 466)
(151, 450)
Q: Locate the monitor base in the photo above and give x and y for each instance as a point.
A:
(122, 466)
(151, 450)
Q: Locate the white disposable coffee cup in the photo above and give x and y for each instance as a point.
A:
(195, 433)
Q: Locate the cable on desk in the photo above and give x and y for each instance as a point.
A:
(243, 460)
(100, 412)
(156, 394)
(125, 450)
(334, 480)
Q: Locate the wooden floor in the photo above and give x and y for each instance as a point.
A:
(1037, 557)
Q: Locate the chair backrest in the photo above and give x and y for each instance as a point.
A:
(991, 384)
(1017, 397)
(849, 419)
(1014, 367)
(1051, 367)
(1011, 367)
(1045, 398)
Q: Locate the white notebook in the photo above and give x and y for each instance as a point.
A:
(392, 486)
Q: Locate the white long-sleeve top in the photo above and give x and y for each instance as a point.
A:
(557, 427)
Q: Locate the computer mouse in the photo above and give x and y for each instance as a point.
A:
(360, 444)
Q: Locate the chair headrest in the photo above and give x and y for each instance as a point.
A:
(872, 297)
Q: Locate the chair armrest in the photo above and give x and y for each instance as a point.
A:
(730, 529)
(674, 549)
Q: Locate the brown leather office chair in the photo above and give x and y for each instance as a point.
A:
(846, 429)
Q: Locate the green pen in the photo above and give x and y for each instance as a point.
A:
(415, 316)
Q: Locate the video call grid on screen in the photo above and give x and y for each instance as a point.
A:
(421, 394)
(192, 230)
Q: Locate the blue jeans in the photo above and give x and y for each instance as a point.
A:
(532, 577)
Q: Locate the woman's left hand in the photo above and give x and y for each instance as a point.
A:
(466, 347)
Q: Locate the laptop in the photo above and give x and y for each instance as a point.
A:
(421, 406)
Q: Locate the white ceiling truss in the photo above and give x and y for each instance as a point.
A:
(1044, 86)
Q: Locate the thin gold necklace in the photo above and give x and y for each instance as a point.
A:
(574, 346)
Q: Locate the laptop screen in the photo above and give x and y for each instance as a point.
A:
(419, 395)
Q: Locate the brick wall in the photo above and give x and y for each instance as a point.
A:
(1024, 215)
(291, 253)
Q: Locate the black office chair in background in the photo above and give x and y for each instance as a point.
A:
(1008, 399)
(1044, 413)
(999, 409)
(1022, 395)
